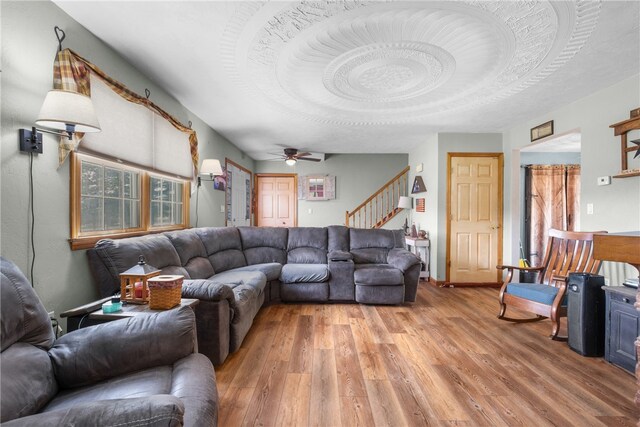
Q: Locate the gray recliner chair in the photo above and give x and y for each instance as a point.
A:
(142, 371)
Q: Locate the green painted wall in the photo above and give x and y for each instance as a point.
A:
(616, 207)
(357, 177)
(61, 276)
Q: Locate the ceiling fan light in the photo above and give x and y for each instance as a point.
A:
(290, 162)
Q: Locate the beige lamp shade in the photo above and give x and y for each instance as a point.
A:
(68, 111)
(211, 167)
(404, 202)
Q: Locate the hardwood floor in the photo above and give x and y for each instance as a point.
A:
(444, 360)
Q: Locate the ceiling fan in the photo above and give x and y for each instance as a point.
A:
(291, 156)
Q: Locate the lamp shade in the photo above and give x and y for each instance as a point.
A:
(68, 111)
(404, 202)
(211, 167)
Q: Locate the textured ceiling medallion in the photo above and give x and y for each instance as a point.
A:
(355, 62)
(387, 72)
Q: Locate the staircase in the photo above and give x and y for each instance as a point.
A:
(381, 206)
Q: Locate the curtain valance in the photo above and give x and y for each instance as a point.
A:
(73, 72)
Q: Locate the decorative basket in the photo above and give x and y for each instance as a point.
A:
(165, 292)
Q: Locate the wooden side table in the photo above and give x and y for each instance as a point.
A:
(420, 247)
(92, 314)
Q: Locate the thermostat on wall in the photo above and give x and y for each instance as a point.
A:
(604, 180)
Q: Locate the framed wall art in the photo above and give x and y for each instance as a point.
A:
(542, 131)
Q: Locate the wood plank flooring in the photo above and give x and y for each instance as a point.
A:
(444, 360)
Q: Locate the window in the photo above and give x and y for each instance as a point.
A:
(109, 199)
(166, 202)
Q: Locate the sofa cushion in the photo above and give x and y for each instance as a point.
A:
(28, 381)
(377, 274)
(262, 245)
(304, 273)
(23, 317)
(136, 384)
(223, 247)
(122, 254)
(543, 294)
(338, 238)
(193, 255)
(307, 245)
(271, 270)
(370, 246)
(234, 278)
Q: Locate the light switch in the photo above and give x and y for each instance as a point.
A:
(310, 210)
(589, 208)
(604, 180)
(222, 208)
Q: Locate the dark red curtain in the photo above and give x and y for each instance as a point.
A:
(553, 202)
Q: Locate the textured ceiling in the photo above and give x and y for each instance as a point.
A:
(363, 76)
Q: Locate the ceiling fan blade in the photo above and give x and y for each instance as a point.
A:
(306, 153)
(309, 159)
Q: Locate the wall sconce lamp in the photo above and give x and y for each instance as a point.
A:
(210, 168)
(63, 111)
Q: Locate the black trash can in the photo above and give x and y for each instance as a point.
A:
(586, 314)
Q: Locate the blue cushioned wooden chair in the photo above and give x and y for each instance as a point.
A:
(566, 252)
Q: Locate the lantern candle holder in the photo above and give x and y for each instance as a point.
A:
(133, 282)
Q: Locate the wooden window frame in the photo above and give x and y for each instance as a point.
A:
(85, 240)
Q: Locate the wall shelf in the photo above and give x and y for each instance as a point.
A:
(626, 175)
(621, 129)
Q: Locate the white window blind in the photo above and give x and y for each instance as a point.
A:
(171, 149)
(135, 134)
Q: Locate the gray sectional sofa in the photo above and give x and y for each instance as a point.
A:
(235, 271)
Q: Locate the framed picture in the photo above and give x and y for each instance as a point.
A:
(418, 185)
(542, 131)
(220, 181)
(420, 205)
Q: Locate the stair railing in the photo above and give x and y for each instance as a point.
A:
(381, 206)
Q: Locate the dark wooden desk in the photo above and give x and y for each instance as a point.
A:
(92, 314)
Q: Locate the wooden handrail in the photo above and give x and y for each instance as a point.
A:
(385, 203)
(381, 189)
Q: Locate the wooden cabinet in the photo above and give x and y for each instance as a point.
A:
(622, 327)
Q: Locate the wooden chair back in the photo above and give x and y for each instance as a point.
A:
(568, 252)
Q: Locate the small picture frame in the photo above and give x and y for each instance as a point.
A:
(420, 205)
(220, 181)
(542, 131)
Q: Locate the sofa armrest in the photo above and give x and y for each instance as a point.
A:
(339, 256)
(92, 354)
(159, 410)
(402, 259)
(207, 290)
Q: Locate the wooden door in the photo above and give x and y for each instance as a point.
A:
(277, 201)
(474, 225)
